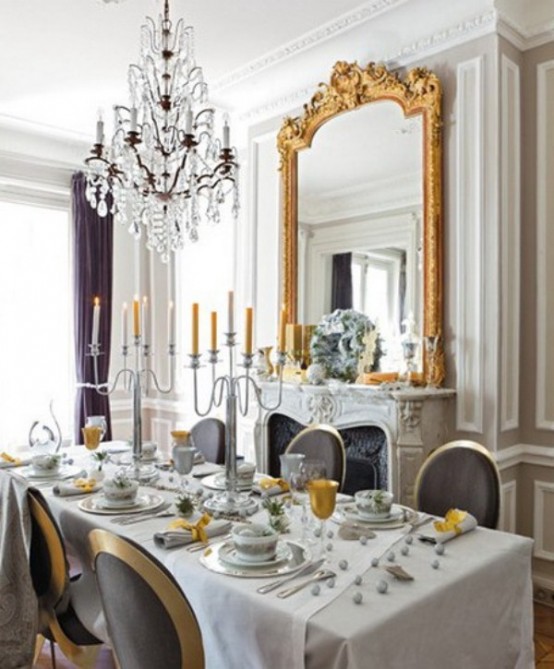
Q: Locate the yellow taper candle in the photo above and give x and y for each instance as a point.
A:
(248, 313)
(195, 328)
(136, 316)
(213, 331)
(282, 329)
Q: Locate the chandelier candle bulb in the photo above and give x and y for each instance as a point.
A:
(231, 312)
(133, 114)
(248, 331)
(188, 121)
(213, 331)
(100, 128)
(136, 317)
(195, 328)
(124, 325)
(95, 321)
(226, 135)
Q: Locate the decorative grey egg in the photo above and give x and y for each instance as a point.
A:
(358, 580)
(375, 562)
(317, 532)
(363, 540)
(330, 534)
(439, 549)
(329, 546)
(343, 564)
(330, 582)
(382, 587)
(391, 557)
(435, 564)
(316, 589)
(409, 540)
(405, 550)
(315, 374)
(358, 598)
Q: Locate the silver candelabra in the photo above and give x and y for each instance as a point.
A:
(136, 378)
(237, 389)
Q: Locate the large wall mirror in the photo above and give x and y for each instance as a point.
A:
(361, 172)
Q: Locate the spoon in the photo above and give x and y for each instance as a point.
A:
(321, 575)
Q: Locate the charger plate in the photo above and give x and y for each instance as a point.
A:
(144, 502)
(64, 472)
(401, 515)
(213, 559)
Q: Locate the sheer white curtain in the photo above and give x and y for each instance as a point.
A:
(36, 350)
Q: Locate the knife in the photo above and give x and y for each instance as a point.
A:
(303, 571)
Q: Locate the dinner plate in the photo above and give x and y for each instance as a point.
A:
(143, 502)
(217, 482)
(342, 498)
(299, 556)
(64, 472)
(115, 447)
(349, 514)
(228, 555)
(396, 513)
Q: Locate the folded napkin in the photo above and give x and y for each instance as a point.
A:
(182, 532)
(455, 522)
(79, 486)
(7, 461)
(270, 486)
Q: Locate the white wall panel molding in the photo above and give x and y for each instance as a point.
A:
(160, 429)
(510, 217)
(544, 547)
(469, 235)
(508, 506)
(524, 454)
(545, 247)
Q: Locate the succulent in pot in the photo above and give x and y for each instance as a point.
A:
(184, 505)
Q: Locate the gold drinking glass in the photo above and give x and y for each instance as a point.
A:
(92, 436)
(323, 497)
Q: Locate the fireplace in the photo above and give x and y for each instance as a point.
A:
(365, 445)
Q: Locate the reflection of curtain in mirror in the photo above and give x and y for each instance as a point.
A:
(402, 315)
(341, 281)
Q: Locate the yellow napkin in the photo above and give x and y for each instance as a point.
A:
(10, 460)
(455, 522)
(80, 486)
(197, 531)
(270, 486)
(182, 532)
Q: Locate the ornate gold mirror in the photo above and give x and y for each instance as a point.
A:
(368, 193)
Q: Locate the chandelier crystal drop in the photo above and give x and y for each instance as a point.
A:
(164, 167)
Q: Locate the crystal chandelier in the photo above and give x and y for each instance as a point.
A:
(164, 167)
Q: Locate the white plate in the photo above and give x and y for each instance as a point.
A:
(144, 502)
(396, 512)
(341, 498)
(299, 556)
(64, 472)
(217, 482)
(115, 447)
(228, 555)
(400, 515)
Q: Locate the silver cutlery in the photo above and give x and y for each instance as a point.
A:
(195, 547)
(126, 516)
(303, 571)
(131, 520)
(321, 575)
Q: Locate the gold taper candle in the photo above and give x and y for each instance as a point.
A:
(136, 316)
(282, 329)
(213, 340)
(248, 313)
(195, 328)
(297, 339)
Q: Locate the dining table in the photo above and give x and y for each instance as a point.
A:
(465, 605)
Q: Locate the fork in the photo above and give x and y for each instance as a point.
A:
(131, 520)
(125, 516)
(321, 575)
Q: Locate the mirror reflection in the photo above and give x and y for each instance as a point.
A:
(360, 213)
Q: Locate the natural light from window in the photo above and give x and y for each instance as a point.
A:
(35, 337)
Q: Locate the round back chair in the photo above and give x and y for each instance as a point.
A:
(322, 442)
(150, 621)
(460, 474)
(208, 436)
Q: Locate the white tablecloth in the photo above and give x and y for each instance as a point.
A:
(474, 611)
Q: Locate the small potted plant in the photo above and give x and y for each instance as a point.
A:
(278, 518)
(184, 505)
(98, 459)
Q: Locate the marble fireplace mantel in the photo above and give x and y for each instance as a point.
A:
(414, 420)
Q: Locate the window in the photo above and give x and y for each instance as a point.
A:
(36, 346)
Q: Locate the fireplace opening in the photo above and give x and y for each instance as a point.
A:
(366, 452)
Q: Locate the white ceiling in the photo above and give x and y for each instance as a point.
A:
(62, 59)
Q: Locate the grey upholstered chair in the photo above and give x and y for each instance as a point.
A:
(208, 436)
(59, 619)
(149, 618)
(322, 442)
(461, 474)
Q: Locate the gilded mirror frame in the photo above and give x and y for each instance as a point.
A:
(350, 87)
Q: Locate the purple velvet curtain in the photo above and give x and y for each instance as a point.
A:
(341, 282)
(92, 276)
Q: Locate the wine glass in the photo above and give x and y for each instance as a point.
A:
(309, 470)
(92, 436)
(97, 421)
(323, 497)
(183, 461)
(290, 465)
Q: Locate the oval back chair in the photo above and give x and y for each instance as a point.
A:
(322, 442)
(460, 474)
(208, 436)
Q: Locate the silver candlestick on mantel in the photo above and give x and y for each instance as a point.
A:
(136, 379)
(237, 388)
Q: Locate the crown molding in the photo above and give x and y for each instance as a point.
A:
(307, 41)
(524, 38)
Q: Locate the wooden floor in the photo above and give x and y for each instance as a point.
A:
(544, 646)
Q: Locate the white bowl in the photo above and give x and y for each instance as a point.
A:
(245, 473)
(46, 463)
(116, 493)
(255, 542)
(149, 449)
(373, 504)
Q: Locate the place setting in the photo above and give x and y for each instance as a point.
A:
(374, 510)
(49, 467)
(120, 495)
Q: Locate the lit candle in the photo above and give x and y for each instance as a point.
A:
(226, 134)
(145, 322)
(100, 128)
(95, 320)
(231, 312)
(171, 323)
(195, 328)
(133, 119)
(248, 331)
(282, 329)
(136, 317)
(213, 339)
(124, 325)
(188, 121)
